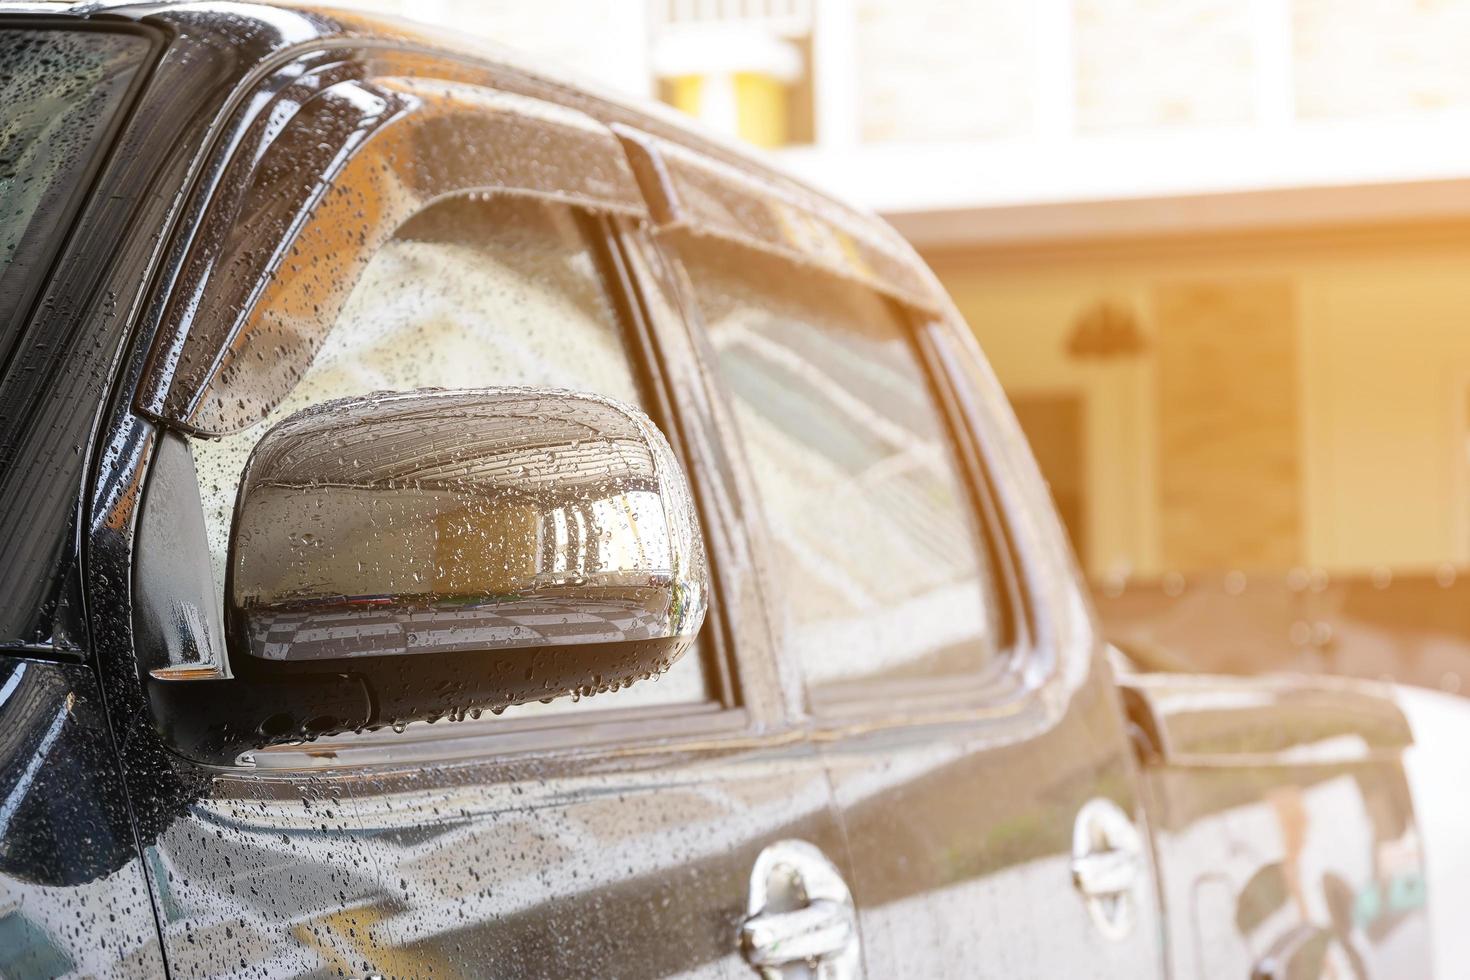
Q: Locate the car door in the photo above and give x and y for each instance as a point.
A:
(921, 589)
(398, 223)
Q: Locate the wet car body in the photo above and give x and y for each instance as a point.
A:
(1050, 812)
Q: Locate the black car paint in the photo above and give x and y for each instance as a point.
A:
(67, 848)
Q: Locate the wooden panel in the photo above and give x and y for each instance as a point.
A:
(1229, 476)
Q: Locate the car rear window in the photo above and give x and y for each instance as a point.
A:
(60, 93)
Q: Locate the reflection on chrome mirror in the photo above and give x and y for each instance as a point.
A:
(547, 534)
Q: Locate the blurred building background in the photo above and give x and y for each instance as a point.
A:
(1218, 252)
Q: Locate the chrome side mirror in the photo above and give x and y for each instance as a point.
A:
(454, 551)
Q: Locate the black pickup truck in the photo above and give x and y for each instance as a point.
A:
(456, 523)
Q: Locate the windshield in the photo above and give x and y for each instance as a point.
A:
(60, 92)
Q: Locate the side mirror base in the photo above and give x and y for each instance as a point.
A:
(215, 720)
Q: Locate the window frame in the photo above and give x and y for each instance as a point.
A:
(1007, 677)
(721, 711)
(969, 429)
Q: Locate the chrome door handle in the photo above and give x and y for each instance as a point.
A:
(800, 911)
(1107, 863)
(1105, 872)
(822, 929)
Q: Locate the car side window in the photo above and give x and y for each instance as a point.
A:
(472, 292)
(882, 574)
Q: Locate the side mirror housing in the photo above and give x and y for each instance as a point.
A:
(415, 556)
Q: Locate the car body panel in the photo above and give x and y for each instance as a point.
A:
(604, 867)
(1282, 826)
(962, 842)
(73, 893)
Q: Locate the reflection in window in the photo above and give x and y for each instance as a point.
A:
(882, 575)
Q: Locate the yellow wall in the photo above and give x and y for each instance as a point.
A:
(1383, 364)
(760, 104)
